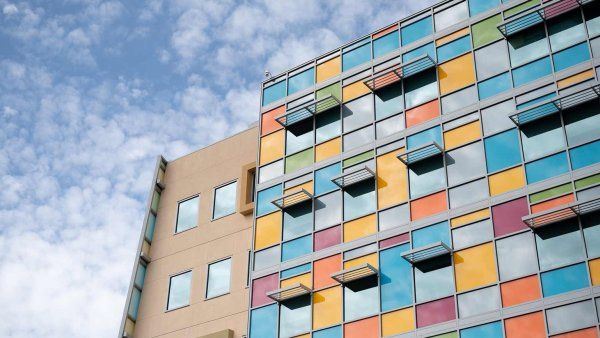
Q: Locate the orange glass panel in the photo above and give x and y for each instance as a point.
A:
(456, 73)
(531, 325)
(385, 31)
(365, 328)
(392, 180)
(452, 36)
(428, 205)
(585, 333)
(328, 149)
(595, 271)
(329, 69)
(322, 270)
(588, 74)
(268, 124)
(520, 291)
(422, 113)
(549, 204)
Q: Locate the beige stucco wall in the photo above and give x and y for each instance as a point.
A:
(199, 173)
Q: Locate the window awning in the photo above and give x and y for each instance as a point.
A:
(396, 73)
(292, 291)
(531, 17)
(292, 198)
(427, 252)
(555, 104)
(352, 177)
(561, 213)
(307, 110)
(355, 273)
(421, 153)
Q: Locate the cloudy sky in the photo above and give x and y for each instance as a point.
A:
(90, 92)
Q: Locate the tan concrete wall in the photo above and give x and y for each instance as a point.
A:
(199, 173)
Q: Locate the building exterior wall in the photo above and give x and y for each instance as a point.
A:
(353, 113)
(207, 241)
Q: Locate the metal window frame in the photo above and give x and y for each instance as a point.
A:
(358, 175)
(427, 252)
(354, 273)
(561, 213)
(420, 153)
(293, 291)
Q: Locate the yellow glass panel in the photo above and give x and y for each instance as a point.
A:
(588, 74)
(461, 135)
(327, 307)
(595, 271)
(308, 186)
(456, 73)
(328, 69)
(271, 147)
(304, 279)
(391, 180)
(268, 230)
(361, 227)
(451, 37)
(396, 322)
(354, 90)
(507, 180)
(470, 218)
(328, 149)
(129, 327)
(475, 267)
(303, 336)
(371, 259)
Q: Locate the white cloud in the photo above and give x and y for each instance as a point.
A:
(10, 9)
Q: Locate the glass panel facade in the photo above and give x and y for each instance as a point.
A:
(417, 30)
(386, 44)
(559, 245)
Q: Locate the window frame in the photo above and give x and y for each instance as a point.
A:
(175, 232)
(171, 276)
(219, 260)
(214, 193)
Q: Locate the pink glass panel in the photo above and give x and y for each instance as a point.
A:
(261, 286)
(328, 237)
(393, 241)
(438, 311)
(507, 216)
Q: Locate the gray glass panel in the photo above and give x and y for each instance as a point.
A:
(270, 171)
(542, 137)
(390, 126)
(187, 214)
(459, 99)
(472, 234)
(468, 193)
(591, 232)
(359, 199)
(566, 30)
(357, 113)
(527, 45)
(225, 198)
(495, 118)
(535, 95)
(478, 302)
(559, 244)
(219, 278)
(451, 16)
(295, 315)
(361, 251)
(465, 163)
(388, 101)
(588, 193)
(328, 210)
(297, 220)
(328, 125)
(393, 217)
(426, 176)
(516, 256)
(265, 258)
(179, 290)
(491, 60)
(460, 121)
(299, 136)
(361, 298)
(420, 89)
(571, 317)
(595, 47)
(434, 279)
(582, 123)
(358, 138)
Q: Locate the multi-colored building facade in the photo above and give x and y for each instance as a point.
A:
(439, 177)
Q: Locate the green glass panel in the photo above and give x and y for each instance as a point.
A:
(586, 182)
(548, 193)
(520, 7)
(299, 160)
(359, 158)
(155, 200)
(485, 31)
(334, 90)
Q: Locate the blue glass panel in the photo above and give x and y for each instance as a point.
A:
(150, 227)
(480, 6)
(301, 81)
(534, 101)
(439, 232)
(332, 332)
(563, 280)
(531, 71)
(134, 303)
(264, 198)
(356, 57)
(296, 248)
(395, 278)
(386, 44)
(428, 49)
(454, 48)
(571, 56)
(323, 178)
(273, 93)
(296, 270)
(502, 150)
(546, 167)
(416, 30)
(263, 322)
(140, 275)
(426, 136)
(585, 155)
(490, 330)
(494, 86)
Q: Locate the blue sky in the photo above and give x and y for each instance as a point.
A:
(90, 92)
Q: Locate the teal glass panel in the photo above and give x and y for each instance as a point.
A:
(546, 167)
(263, 322)
(388, 101)
(571, 56)
(428, 49)
(150, 227)
(416, 31)
(490, 330)
(395, 278)
(592, 19)
(480, 6)
(301, 81)
(296, 270)
(134, 303)
(140, 275)
(296, 248)
(264, 198)
(426, 136)
(332, 332)
(585, 155)
(532, 71)
(439, 232)
(386, 44)
(356, 57)
(323, 178)
(502, 150)
(566, 30)
(494, 86)
(534, 101)
(563, 280)
(454, 48)
(273, 93)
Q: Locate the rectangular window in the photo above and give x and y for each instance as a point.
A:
(295, 316)
(297, 220)
(328, 210)
(559, 244)
(426, 176)
(451, 16)
(328, 125)
(416, 31)
(495, 118)
(386, 44)
(179, 290)
(571, 56)
(566, 30)
(490, 330)
(585, 155)
(357, 113)
(420, 89)
(266, 258)
(358, 138)
(472, 234)
(296, 248)
(565, 279)
(465, 163)
(361, 298)
(531, 72)
(491, 60)
(323, 178)
(274, 93)
(225, 198)
(480, 6)
(434, 279)
(471, 304)
(468, 193)
(357, 56)
(516, 256)
(459, 99)
(359, 199)
(263, 322)
(542, 137)
(388, 101)
(428, 49)
(149, 234)
(454, 48)
(299, 136)
(219, 278)
(396, 278)
(438, 232)
(494, 86)
(301, 81)
(502, 150)
(546, 168)
(485, 31)
(592, 19)
(527, 46)
(187, 214)
(582, 123)
(571, 317)
(134, 303)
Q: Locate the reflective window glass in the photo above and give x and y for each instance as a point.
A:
(270, 171)
(531, 71)
(388, 101)
(465, 163)
(416, 31)
(393, 217)
(301, 81)
(565, 279)
(546, 167)
(527, 45)
(187, 214)
(479, 301)
(140, 275)
(502, 150)
(494, 86)
(542, 137)
(149, 234)
(585, 155)
(495, 118)
(490, 330)
(179, 290)
(438, 232)
(592, 19)
(516, 256)
(559, 244)
(328, 125)
(323, 178)
(454, 48)
(571, 56)
(582, 123)
(359, 199)
(361, 298)
(460, 99)
(420, 89)
(426, 176)
(390, 126)
(476, 233)
(571, 317)
(591, 232)
(299, 136)
(358, 138)
(266, 258)
(295, 316)
(356, 57)
(264, 198)
(386, 44)
(451, 16)
(297, 220)
(219, 278)
(424, 137)
(486, 31)
(428, 49)
(565, 30)
(357, 113)
(273, 93)
(491, 60)
(296, 248)
(468, 193)
(263, 322)
(434, 278)
(396, 278)
(225, 198)
(332, 332)
(480, 6)
(134, 303)
(328, 210)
